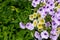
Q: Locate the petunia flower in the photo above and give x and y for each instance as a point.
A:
(44, 35)
(41, 21)
(54, 25)
(30, 26)
(39, 26)
(37, 35)
(36, 1)
(47, 24)
(34, 15)
(31, 17)
(35, 23)
(53, 34)
(34, 4)
(54, 37)
(22, 25)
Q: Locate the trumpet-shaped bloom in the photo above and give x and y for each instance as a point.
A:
(39, 26)
(53, 34)
(22, 25)
(54, 25)
(35, 3)
(35, 23)
(31, 17)
(30, 26)
(44, 34)
(47, 24)
(37, 34)
(41, 21)
(34, 15)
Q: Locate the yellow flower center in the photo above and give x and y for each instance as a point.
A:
(38, 15)
(41, 20)
(39, 26)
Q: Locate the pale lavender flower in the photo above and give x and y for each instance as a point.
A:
(37, 35)
(54, 37)
(53, 34)
(44, 35)
(57, 14)
(47, 24)
(53, 31)
(56, 18)
(35, 3)
(30, 26)
(22, 25)
(54, 24)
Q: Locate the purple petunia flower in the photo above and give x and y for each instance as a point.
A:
(47, 24)
(30, 26)
(44, 34)
(53, 31)
(22, 25)
(35, 3)
(53, 34)
(54, 24)
(37, 35)
(56, 18)
(53, 37)
(57, 14)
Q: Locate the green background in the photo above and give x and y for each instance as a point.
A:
(10, 19)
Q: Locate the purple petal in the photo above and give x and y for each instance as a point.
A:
(29, 26)
(37, 35)
(22, 25)
(47, 24)
(44, 34)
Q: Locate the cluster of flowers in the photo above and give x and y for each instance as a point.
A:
(38, 20)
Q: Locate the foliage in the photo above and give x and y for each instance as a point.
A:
(11, 13)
